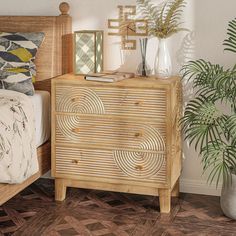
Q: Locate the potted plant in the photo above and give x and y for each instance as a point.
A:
(209, 120)
(164, 20)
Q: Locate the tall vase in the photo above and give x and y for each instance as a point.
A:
(228, 199)
(163, 65)
(143, 67)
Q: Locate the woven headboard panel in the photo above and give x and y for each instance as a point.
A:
(55, 54)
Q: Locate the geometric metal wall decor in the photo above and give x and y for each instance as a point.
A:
(88, 51)
(126, 26)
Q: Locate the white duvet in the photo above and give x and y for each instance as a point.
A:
(18, 154)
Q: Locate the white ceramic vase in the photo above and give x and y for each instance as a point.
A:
(163, 65)
(228, 199)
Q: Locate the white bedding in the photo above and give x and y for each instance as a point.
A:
(41, 104)
(18, 156)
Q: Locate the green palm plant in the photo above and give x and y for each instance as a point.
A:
(163, 20)
(204, 122)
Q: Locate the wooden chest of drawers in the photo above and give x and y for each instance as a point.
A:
(120, 136)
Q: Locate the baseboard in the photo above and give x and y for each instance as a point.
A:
(186, 186)
(199, 187)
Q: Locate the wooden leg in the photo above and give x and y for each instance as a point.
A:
(175, 190)
(60, 189)
(165, 200)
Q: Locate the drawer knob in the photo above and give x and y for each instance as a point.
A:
(138, 103)
(75, 130)
(74, 99)
(137, 135)
(138, 167)
(75, 161)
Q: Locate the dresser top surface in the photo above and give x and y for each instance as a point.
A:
(149, 82)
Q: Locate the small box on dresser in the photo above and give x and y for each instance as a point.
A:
(122, 136)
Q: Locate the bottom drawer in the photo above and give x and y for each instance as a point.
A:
(116, 165)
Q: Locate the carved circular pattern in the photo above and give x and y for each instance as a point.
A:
(80, 100)
(139, 164)
(77, 100)
(143, 164)
(152, 139)
(67, 124)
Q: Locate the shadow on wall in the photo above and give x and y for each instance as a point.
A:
(187, 49)
(128, 64)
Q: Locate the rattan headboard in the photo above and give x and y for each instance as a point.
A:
(55, 54)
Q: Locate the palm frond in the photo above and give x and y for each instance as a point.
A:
(230, 42)
(201, 122)
(230, 127)
(163, 19)
(174, 10)
(219, 157)
(211, 80)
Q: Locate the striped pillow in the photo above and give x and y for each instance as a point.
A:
(17, 54)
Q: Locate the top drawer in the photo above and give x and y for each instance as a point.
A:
(136, 102)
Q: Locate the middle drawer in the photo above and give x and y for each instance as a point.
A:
(109, 133)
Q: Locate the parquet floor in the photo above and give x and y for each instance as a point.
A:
(33, 212)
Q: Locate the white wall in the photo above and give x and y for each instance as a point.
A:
(209, 21)
(207, 18)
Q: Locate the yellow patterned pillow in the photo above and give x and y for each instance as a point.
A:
(17, 54)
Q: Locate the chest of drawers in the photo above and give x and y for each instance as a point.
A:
(122, 136)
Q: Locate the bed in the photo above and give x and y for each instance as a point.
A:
(53, 58)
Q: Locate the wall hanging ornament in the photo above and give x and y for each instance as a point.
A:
(127, 26)
(88, 51)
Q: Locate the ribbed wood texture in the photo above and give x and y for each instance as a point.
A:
(109, 132)
(138, 103)
(118, 165)
(119, 133)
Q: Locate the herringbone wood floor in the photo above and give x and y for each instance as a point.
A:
(33, 212)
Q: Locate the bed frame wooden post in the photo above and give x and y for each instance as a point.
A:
(53, 58)
(64, 23)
